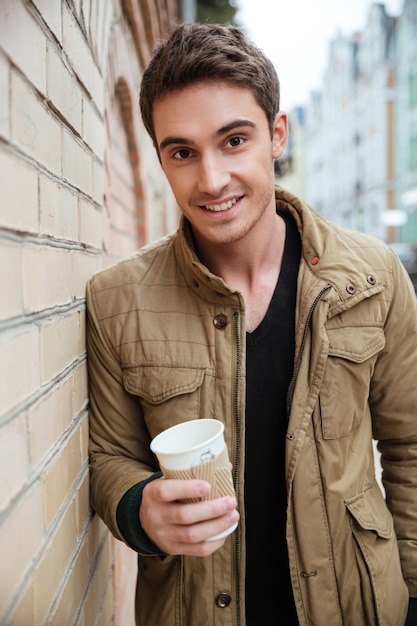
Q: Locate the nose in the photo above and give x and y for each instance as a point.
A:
(213, 174)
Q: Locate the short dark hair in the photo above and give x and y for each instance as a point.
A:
(195, 53)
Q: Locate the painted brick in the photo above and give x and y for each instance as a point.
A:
(32, 123)
(90, 224)
(16, 24)
(98, 535)
(52, 114)
(76, 164)
(107, 610)
(59, 478)
(48, 420)
(52, 568)
(19, 353)
(77, 6)
(18, 194)
(125, 219)
(98, 182)
(58, 210)
(82, 504)
(63, 89)
(79, 55)
(93, 129)
(14, 459)
(23, 611)
(62, 341)
(120, 244)
(100, 21)
(21, 539)
(83, 266)
(100, 587)
(73, 592)
(51, 13)
(10, 280)
(46, 277)
(125, 572)
(80, 391)
(83, 430)
(4, 100)
(84, 16)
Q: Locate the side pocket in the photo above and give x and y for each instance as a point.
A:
(383, 589)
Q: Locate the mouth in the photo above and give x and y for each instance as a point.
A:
(223, 206)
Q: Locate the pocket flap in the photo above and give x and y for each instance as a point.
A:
(371, 513)
(355, 343)
(157, 384)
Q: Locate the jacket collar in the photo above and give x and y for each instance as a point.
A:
(198, 276)
(333, 256)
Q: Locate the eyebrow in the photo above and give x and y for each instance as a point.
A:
(182, 141)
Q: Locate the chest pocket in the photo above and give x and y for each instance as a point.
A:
(345, 387)
(170, 395)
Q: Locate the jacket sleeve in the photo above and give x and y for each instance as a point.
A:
(393, 401)
(119, 451)
(128, 520)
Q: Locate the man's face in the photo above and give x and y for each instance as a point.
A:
(217, 153)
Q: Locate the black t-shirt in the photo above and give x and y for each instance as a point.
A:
(269, 369)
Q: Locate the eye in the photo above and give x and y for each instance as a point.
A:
(235, 141)
(182, 154)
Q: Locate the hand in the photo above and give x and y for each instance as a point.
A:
(183, 528)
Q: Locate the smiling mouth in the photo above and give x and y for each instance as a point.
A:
(216, 208)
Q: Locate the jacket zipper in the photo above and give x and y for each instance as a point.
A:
(236, 317)
(303, 341)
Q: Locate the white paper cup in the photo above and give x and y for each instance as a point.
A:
(197, 449)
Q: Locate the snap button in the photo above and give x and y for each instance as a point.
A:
(223, 600)
(350, 288)
(371, 280)
(315, 260)
(195, 283)
(220, 321)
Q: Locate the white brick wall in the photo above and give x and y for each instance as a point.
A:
(58, 71)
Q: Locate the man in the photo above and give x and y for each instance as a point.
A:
(299, 335)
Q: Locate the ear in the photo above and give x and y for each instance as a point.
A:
(280, 134)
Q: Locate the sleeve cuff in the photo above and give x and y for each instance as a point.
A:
(127, 516)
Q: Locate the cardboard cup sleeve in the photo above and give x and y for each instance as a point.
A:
(216, 472)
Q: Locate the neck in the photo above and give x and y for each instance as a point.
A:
(250, 262)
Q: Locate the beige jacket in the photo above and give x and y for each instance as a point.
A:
(157, 356)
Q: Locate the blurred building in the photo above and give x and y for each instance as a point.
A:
(406, 122)
(290, 168)
(350, 176)
(359, 135)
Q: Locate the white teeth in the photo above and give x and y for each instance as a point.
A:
(221, 207)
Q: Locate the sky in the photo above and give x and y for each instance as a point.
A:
(295, 35)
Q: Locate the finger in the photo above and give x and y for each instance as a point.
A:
(193, 513)
(195, 539)
(171, 490)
